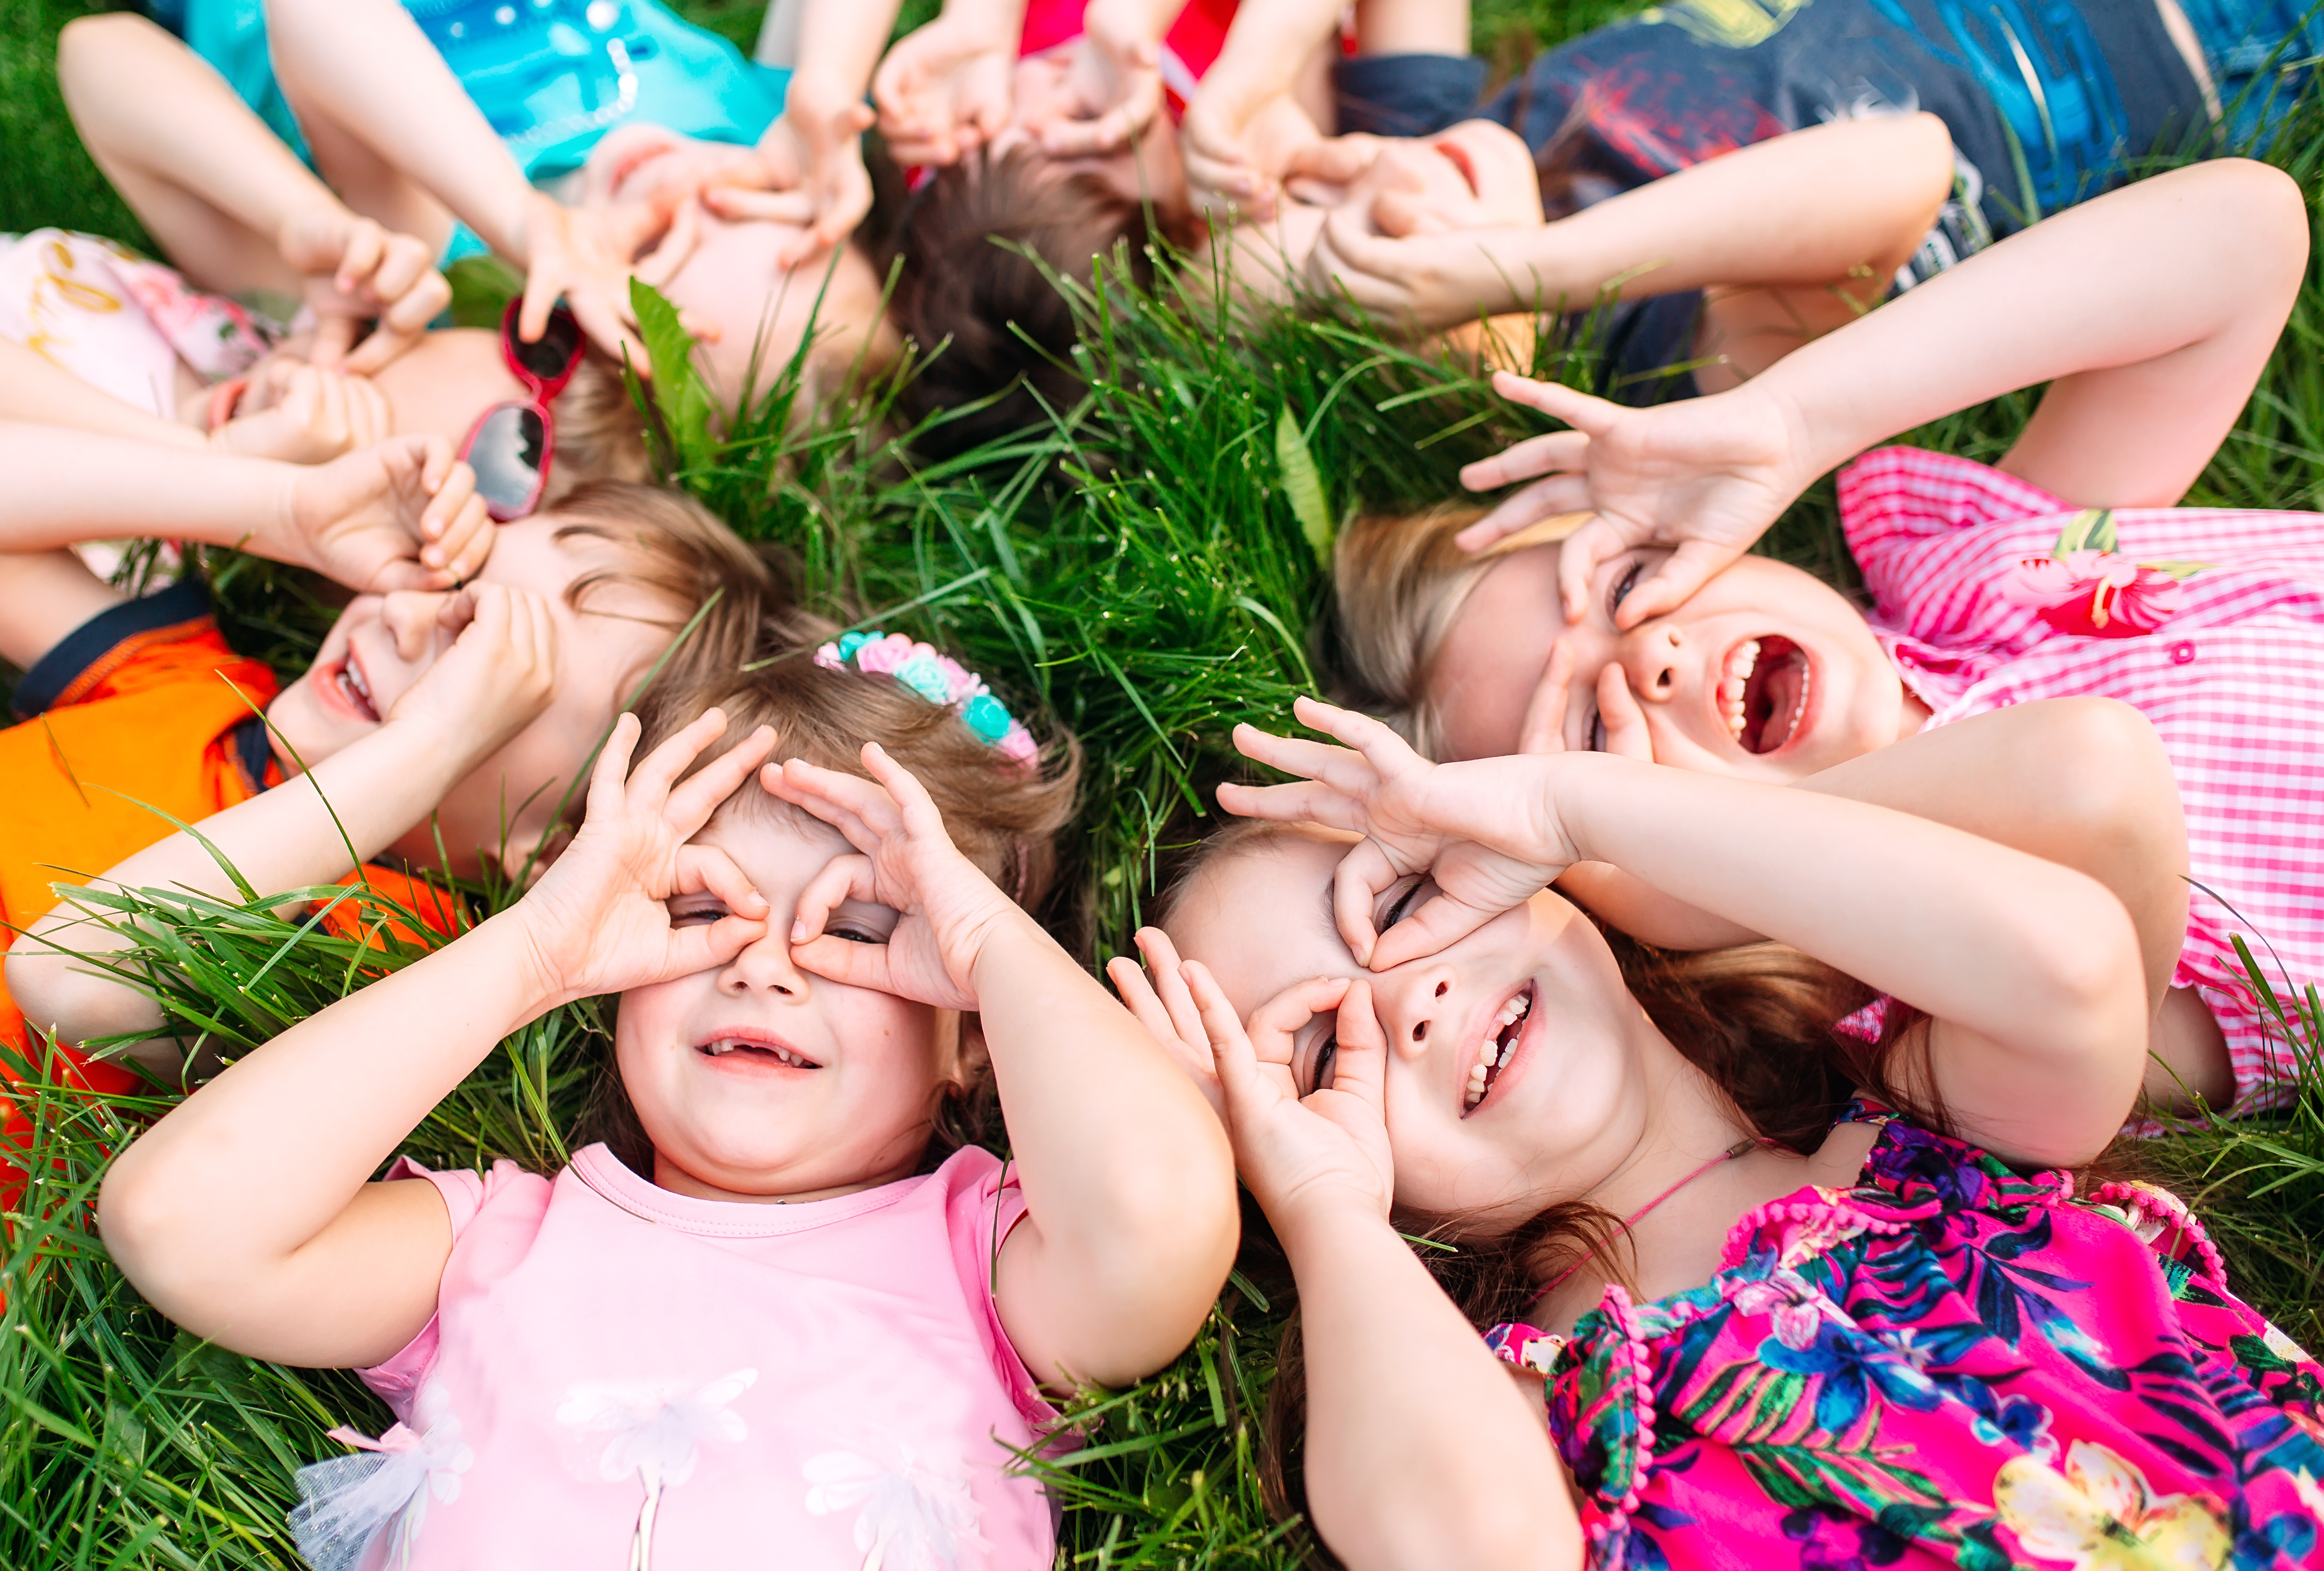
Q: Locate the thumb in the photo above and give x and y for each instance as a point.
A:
(1627, 735)
(1337, 160)
(1688, 569)
(1361, 1066)
(333, 337)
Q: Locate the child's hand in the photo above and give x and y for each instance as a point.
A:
(401, 514)
(905, 862)
(1167, 1011)
(359, 272)
(598, 920)
(1327, 1148)
(1116, 76)
(1486, 830)
(808, 171)
(1425, 283)
(945, 89)
(584, 255)
(1704, 476)
(313, 414)
(498, 674)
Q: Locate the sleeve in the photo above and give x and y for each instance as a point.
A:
(982, 1206)
(394, 895)
(136, 647)
(1936, 536)
(1405, 95)
(466, 1196)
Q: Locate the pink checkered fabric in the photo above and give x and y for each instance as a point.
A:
(2233, 681)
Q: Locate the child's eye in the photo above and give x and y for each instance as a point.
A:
(854, 933)
(695, 914)
(1597, 731)
(1403, 905)
(1319, 1072)
(1622, 587)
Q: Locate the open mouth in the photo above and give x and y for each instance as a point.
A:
(353, 687)
(1762, 692)
(748, 1049)
(1493, 1053)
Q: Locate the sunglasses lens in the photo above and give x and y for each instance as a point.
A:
(547, 356)
(506, 453)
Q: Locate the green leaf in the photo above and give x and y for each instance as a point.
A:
(679, 390)
(1304, 486)
(2091, 530)
(2181, 571)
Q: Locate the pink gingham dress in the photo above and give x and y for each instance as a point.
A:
(2209, 620)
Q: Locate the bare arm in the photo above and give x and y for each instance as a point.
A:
(36, 389)
(1129, 1185)
(228, 202)
(1841, 205)
(246, 1215)
(2151, 310)
(349, 807)
(2031, 972)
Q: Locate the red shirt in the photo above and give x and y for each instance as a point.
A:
(1188, 50)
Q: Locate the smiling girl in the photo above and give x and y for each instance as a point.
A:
(2151, 311)
(442, 724)
(783, 1309)
(1797, 1298)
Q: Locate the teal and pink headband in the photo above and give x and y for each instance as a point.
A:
(939, 679)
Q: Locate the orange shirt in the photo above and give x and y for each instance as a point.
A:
(140, 712)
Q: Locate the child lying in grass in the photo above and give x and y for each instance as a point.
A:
(230, 204)
(2152, 311)
(784, 1307)
(396, 133)
(444, 723)
(1797, 1296)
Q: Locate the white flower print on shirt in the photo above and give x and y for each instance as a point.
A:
(915, 1518)
(346, 1502)
(656, 1429)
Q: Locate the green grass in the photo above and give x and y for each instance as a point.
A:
(1140, 571)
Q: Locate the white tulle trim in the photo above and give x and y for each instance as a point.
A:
(348, 1505)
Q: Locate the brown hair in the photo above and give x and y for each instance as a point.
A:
(1398, 584)
(980, 243)
(1005, 817)
(601, 435)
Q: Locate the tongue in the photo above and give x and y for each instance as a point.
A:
(1771, 700)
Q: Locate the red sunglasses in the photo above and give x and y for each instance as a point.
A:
(510, 445)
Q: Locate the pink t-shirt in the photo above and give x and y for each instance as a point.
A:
(2209, 620)
(821, 1384)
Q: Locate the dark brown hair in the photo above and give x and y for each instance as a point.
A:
(975, 243)
(1005, 817)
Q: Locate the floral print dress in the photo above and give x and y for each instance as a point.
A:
(1948, 1364)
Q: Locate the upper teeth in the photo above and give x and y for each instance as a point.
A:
(1734, 680)
(727, 1044)
(1492, 1052)
(355, 680)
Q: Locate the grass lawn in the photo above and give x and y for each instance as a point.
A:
(1138, 571)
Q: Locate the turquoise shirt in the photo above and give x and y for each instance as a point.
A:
(551, 75)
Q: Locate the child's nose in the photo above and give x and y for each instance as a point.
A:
(1651, 653)
(766, 967)
(1418, 1014)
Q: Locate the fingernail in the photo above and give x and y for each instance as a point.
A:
(799, 932)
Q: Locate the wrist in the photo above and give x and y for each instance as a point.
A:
(1004, 937)
(535, 983)
(1320, 1218)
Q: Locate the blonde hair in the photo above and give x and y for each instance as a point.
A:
(1398, 584)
